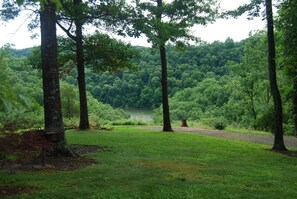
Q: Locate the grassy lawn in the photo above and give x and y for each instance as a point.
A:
(249, 131)
(150, 164)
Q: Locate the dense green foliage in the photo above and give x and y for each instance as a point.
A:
(22, 99)
(164, 21)
(239, 96)
(149, 164)
(102, 53)
(287, 24)
(100, 114)
(21, 93)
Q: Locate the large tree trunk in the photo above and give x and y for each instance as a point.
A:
(54, 128)
(278, 132)
(84, 118)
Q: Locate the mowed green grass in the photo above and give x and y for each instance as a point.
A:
(151, 164)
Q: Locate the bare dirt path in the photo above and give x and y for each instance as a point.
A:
(290, 141)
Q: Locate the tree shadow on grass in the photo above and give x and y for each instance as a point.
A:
(287, 152)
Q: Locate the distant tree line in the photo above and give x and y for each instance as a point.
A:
(140, 87)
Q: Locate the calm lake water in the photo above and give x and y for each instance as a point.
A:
(144, 115)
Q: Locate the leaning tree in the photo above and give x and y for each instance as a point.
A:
(253, 8)
(278, 131)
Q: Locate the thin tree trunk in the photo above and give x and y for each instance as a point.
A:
(295, 103)
(278, 134)
(54, 127)
(84, 118)
(165, 103)
(252, 106)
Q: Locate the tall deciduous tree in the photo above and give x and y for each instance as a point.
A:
(163, 22)
(252, 75)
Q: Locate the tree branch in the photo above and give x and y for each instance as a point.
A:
(67, 31)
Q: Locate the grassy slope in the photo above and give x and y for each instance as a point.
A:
(150, 164)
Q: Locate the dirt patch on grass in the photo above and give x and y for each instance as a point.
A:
(23, 153)
(33, 161)
(18, 153)
(14, 190)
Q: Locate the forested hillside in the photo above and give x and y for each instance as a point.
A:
(186, 68)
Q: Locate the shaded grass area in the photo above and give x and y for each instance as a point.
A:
(150, 164)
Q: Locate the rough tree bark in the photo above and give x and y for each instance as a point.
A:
(54, 127)
(84, 118)
(278, 134)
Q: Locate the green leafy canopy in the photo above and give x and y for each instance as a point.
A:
(172, 20)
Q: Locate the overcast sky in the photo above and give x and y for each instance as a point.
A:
(15, 32)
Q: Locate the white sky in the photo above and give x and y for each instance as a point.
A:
(15, 32)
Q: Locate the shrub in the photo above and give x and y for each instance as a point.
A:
(265, 122)
(70, 123)
(289, 128)
(218, 123)
(96, 122)
(128, 122)
(20, 119)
